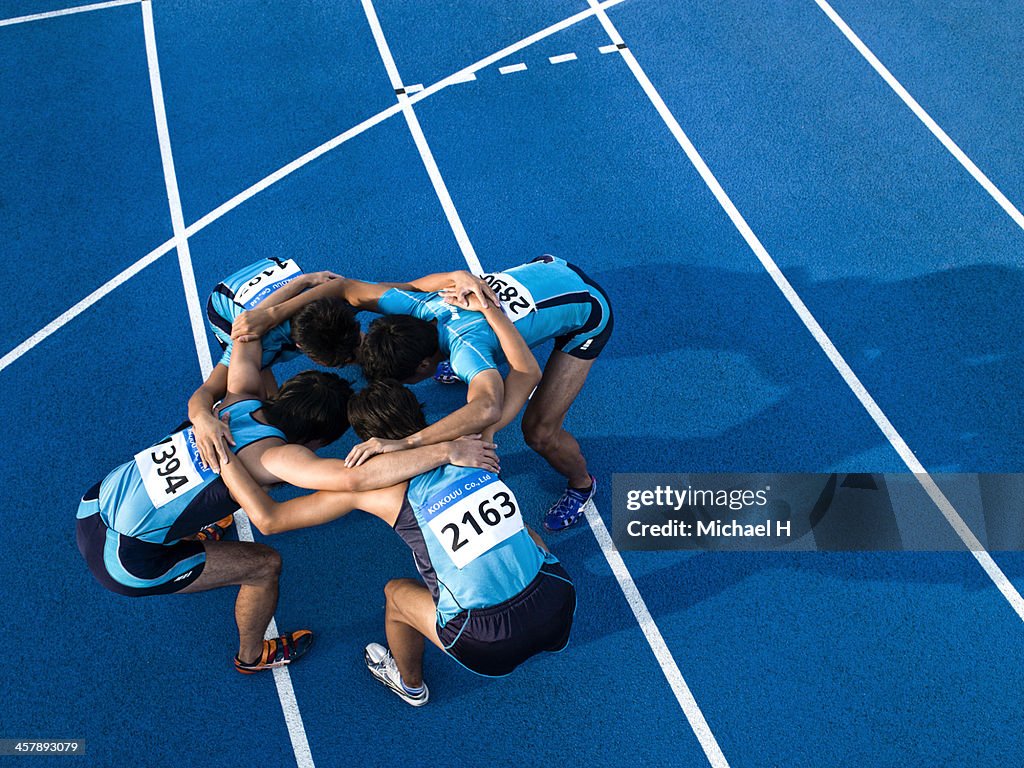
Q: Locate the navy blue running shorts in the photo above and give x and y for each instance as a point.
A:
(133, 567)
(494, 641)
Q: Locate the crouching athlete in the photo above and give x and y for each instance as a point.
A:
(153, 525)
(494, 596)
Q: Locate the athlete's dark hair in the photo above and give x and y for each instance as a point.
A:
(312, 405)
(385, 409)
(327, 331)
(395, 345)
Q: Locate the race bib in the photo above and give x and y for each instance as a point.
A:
(472, 516)
(172, 468)
(276, 274)
(515, 298)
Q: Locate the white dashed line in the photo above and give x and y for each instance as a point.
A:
(411, 89)
(508, 70)
(562, 58)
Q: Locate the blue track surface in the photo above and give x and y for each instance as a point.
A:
(908, 264)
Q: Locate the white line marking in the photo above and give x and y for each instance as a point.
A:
(562, 58)
(608, 48)
(1002, 583)
(923, 116)
(510, 68)
(188, 278)
(411, 89)
(66, 12)
(622, 575)
(421, 143)
(66, 317)
(466, 74)
(282, 678)
(661, 652)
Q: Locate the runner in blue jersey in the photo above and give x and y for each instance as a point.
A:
(547, 299)
(326, 331)
(492, 595)
(153, 525)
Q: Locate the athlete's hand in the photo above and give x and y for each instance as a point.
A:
(472, 451)
(465, 285)
(212, 438)
(252, 324)
(372, 447)
(313, 279)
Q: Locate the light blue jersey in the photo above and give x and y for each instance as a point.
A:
(166, 492)
(246, 289)
(466, 532)
(546, 299)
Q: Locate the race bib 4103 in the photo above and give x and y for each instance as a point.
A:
(472, 516)
(276, 274)
(172, 468)
(515, 298)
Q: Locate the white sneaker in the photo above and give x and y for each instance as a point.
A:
(382, 666)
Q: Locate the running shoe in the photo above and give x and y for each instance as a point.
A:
(278, 652)
(569, 508)
(445, 374)
(382, 666)
(216, 531)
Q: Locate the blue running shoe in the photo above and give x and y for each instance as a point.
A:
(445, 374)
(569, 508)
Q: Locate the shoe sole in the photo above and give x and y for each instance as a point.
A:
(370, 667)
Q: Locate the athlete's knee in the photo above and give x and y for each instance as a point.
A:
(393, 590)
(539, 435)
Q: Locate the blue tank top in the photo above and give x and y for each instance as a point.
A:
(165, 493)
(545, 299)
(468, 540)
(246, 289)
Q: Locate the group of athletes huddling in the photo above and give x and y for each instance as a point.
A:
(490, 594)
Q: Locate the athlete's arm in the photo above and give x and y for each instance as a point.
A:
(212, 434)
(299, 466)
(457, 285)
(524, 372)
(257, 321)
(272, 517)
(295, 287)
(245, 377)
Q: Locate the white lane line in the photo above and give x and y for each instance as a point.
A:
(510, 68)
(608, 48)
(615, 562)
(561, 59)
(421, 142)
(999, 578)
(654, 638)
(188, 278)
(282, 677)
(66, 317)
(411, 89)
(923, 116)
(65, 12)
(466, 74)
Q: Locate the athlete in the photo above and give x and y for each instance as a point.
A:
(547, 299)
(154, 524)
(492, 594)
(326, 330)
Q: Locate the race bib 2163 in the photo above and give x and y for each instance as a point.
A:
(472, 516)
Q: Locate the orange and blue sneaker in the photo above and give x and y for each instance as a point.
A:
(278, 652)
(570, 507)
(445, 374)
(215, 531)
